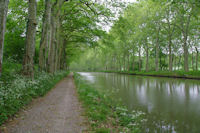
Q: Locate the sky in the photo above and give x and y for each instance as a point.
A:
(107, 26)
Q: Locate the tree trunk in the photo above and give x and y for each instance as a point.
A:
(174, 62)
(120, 66)
(185, 47)
(179, 62)
(28, 64)
(133, 62)
(192, 61)
(170, 55)
(157, 50)
(147, 58)
(3, 16)
(51, 55)
(45, 39)
(197, 56)
(140, 59)
(53, 58)
(63, 57)
(124, 62)
(128, 65)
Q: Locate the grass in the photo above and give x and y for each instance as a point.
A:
(16, 90)
(173, 74)
(106, 114)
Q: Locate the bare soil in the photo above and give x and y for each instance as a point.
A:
(57, 112)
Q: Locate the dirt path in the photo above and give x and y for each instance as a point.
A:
(58, 112)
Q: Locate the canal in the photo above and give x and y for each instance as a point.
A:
(171, 105)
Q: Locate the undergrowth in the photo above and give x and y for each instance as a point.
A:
(17, 90)
(105, 115)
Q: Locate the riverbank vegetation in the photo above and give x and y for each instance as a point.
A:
(174, 74)
(17, 90)
(150, 37)
(106, 114)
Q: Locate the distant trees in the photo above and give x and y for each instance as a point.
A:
(156, 35)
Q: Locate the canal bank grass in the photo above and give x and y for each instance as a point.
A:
(173, 74)
(105, 114)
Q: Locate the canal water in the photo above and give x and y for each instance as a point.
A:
(171, 105)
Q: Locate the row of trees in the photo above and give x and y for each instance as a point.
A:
(151, 35)
(41, 32)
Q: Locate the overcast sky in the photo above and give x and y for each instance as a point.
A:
(107, 26)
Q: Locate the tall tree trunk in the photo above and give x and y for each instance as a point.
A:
(120, 66)
(133, 62)
(193, 61)
(147, 58)
(140, 59)
(174, 62)
(170, 55)
(124, 62)
(45, 39)
(28, 64)
(179, 63)
(185, 47)
(3, 16)
(63, 56)
(55, 33)
(51, 55)
(128, 65)
(157, 50)
(185, 32)
(197, 56)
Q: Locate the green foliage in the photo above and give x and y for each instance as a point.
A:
(103, 112)
(146, 34)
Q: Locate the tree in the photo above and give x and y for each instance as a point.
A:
(45, 38)
(3, 15)
(28, 63)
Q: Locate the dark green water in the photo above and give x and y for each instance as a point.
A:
(171, 105)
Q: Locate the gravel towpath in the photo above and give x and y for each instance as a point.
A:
(57, 112)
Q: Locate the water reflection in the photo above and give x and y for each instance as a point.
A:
(172, 105)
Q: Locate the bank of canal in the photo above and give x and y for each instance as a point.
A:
(170, 105)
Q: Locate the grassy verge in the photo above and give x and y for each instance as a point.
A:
(105, 114)
(17, 90)
(174, 74)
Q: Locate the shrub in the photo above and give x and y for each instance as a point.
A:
(18, 91)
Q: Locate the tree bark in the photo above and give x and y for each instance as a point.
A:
(45, 39)
(140, 59)
(3, 16)
(128, 65)
(157, 50)
(28, 64)
(147, 58)
(124, 62)
(193, 61)
(133, 62)
(170, 55)
(63, 56)
(185, 47)
(197, 56)
(174, 62)
(55, 33)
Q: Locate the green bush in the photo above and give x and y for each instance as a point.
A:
(19, 90)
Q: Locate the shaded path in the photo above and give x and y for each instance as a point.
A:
(57, 112)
